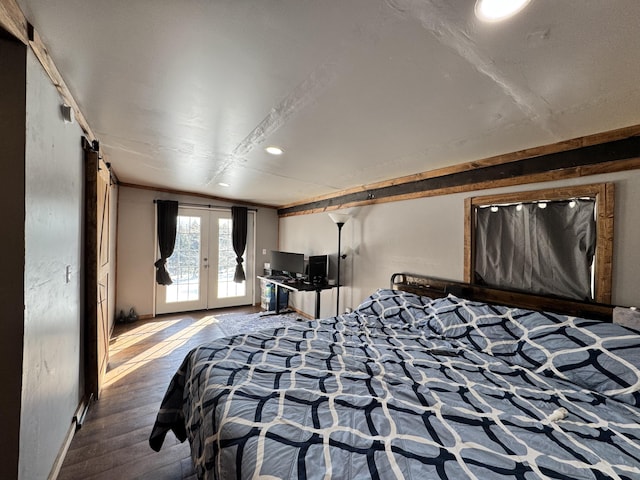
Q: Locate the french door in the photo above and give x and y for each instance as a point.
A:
(203, 264)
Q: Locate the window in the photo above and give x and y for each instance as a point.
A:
(556, 242)
(184, 264)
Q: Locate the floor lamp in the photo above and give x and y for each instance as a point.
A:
(339, 219)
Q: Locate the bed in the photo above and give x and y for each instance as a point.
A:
(421, 384)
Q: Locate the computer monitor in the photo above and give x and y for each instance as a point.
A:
(318, 265)
(287, 263)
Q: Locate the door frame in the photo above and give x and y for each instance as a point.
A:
(159, 290)
(249, 268)
(98, 266)
(249, 259)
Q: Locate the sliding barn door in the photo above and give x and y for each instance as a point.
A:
(97, 271)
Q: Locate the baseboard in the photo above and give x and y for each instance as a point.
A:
(57, 464)
(301, 313)
(76, 424)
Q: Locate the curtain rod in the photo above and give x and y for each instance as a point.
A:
(201, 205)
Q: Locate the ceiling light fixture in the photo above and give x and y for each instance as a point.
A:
(497, 10)
(273, 150)
(222, 184)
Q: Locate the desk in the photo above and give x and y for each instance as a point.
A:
(296, 286)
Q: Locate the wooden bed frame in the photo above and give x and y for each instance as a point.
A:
(437, 287)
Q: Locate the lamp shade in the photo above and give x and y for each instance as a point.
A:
(340, 217)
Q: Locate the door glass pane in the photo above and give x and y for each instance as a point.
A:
(227, 263)
(184, 264)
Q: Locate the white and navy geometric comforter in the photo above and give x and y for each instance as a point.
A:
(406, 387)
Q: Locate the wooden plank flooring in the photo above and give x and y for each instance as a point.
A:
(113, 441)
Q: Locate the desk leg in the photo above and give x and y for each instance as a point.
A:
(318, 303)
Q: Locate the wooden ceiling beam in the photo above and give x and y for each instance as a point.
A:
(197, 195)
(41, 52)
(606, 152)
(13, 21)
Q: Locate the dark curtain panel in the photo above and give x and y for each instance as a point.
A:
(167, 225)
(239, 238)
(540, 250)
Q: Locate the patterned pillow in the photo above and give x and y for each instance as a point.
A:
(395, 306)
(598, 356)
(485, 327)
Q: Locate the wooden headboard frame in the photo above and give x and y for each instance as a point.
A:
(437, 287)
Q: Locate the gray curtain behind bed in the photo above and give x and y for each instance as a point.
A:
(541, 250)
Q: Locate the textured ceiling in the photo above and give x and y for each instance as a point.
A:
(185, 95)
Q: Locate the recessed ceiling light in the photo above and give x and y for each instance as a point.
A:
(273, 150)
(497, 10)
(222, 184)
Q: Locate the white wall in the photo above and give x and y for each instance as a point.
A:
(52, 318)
(425, 236)
(137, 246)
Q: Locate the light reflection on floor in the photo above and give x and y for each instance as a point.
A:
(155, 351)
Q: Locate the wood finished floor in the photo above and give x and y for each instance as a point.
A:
(113, 441)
